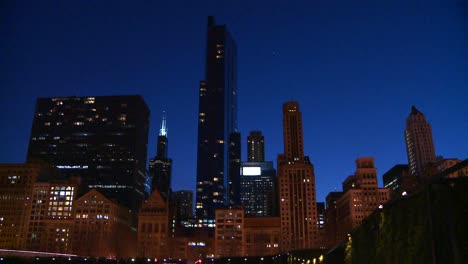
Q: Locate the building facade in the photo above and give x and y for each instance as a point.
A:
(258, 193)
(102, 228)
(360, 197)
(16, 189)
(262, 236)
(229, 233)
(298, 211)
(153, 228)
(101, 139)
(217, 120)
(160, 167)
(419, 143)
(51, 214)
(255, 147)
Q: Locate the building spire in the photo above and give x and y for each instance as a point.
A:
(163, 129)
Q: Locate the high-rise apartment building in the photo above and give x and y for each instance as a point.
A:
(419, 142)
(255, 147)
(103, 140)
(298, 211)
(217, 120)
(160, 167)
(258, 193)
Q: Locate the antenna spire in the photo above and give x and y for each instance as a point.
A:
(163, 129)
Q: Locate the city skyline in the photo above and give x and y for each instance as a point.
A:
(360, 113)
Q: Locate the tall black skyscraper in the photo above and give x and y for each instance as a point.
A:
(161, 166)
(217, 120)
(101, 139)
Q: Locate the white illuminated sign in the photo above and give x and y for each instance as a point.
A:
(71, 167)
(251, 171)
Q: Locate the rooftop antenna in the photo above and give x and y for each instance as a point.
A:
(163, 129)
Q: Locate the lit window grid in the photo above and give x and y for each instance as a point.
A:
(60, 201)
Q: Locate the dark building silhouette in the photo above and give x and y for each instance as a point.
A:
(217, 120)
(419, 142)
(258, 189)
(160, 167)
(321, 223)
(234, 169)
(182, 202)
(103, 140)
(392, 178)
(331, 219)
(399, 180)
(255, 147)
(298, 211)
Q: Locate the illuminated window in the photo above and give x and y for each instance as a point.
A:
(89, 100)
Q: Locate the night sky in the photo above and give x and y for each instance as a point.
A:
(355, 67)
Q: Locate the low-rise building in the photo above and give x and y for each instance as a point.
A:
(153, 228)
(262, 236)
(229, 232)
(102, 228)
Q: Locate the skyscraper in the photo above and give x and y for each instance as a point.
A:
(255, 147)
(160, 167)
(419, 143)
(258, 193)
(298, 211)
(103, 140)
(217, 120)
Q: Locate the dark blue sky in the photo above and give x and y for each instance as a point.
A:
(355, 67)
